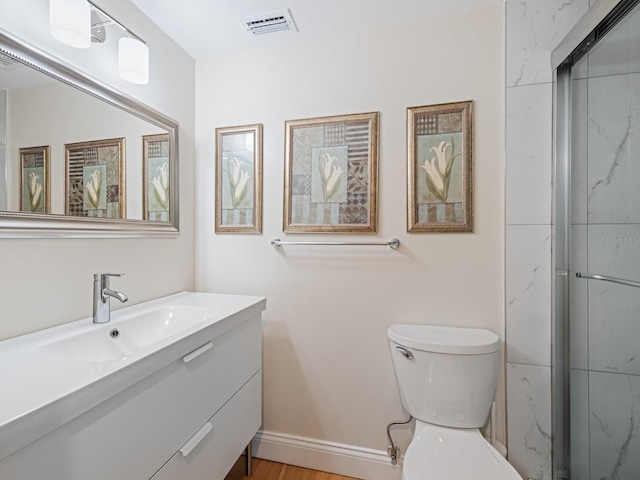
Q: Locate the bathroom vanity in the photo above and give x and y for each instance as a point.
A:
(168, 389)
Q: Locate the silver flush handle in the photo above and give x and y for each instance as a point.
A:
(405, 352)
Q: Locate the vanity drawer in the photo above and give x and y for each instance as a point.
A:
(211, 455)
(131, 435)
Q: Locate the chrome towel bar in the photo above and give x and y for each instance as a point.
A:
(394, 243)
(605, 278)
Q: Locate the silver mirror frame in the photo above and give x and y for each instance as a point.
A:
(21, 225)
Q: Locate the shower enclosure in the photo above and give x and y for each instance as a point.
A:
(596, 364)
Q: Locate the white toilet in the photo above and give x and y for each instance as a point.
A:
(447, 378)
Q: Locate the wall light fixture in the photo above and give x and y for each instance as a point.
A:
(79, 23)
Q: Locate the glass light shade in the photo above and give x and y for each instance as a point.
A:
(70, 22)
(133, 60)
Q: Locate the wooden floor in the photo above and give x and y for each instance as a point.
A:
(266, 470)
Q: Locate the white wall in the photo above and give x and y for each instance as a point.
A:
(48, 282)
(328, 372)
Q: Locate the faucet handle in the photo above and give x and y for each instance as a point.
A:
(103, 278)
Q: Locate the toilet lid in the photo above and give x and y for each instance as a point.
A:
(440, 453)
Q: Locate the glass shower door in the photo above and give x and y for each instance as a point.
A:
(605, 242)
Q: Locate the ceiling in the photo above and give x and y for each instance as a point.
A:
(207, 28)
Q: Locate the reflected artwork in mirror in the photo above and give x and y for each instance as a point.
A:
(78, 158)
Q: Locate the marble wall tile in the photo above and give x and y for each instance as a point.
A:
(534, 28)
(529, 420)
(614, 329)
(579, 150)
(614, 402)
(578, 299)
(613, 175)
(579, 425)
(528, 294)
(529, 150)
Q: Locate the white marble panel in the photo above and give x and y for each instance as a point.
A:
(529, 155)
(614, 401)
(529, 420)
(579, 150)
(579, 425)
(534, 29)
(528, 293)
(614, 176)
(614, 326)
(578, 299)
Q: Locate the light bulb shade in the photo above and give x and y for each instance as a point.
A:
(70, 22)
(133, 60)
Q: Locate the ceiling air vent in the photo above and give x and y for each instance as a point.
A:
(267, 23)
(6, 62)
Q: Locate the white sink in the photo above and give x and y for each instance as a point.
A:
(55, 375)
(125, 335)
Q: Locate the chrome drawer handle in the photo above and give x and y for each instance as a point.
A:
(405, 352)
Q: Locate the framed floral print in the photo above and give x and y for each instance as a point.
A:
(440, 168)
(156, 177)
(95, 179)
(331, 174)
(239, 179)
(35, 192)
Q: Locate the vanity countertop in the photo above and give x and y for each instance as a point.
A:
(46, 380)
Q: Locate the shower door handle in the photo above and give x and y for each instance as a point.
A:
(605, 278)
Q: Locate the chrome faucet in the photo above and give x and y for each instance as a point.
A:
(101, 294)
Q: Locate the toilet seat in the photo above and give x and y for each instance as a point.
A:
(443, 453)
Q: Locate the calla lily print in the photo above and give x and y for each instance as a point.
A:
(94, 186)
(438, 169)
(329, 176)
(238, 179)
(35, 189)
(161, 185)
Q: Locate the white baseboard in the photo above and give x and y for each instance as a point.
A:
(329, 457)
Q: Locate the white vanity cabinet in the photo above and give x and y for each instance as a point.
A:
(189, 420)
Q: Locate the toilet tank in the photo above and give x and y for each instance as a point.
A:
(446, 375)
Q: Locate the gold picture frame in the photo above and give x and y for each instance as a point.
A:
(156, 178)
(440, 168)
(95, 180)
(331, 174)
(238, 179)
(35, 179)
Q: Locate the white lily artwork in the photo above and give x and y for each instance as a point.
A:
(34, 179)
(438, 169)
(93, 188)
(157, 177)
(440, 194)
(161, 185)
(35, 189)
(239, 179)
(95, 178)
(330, 176)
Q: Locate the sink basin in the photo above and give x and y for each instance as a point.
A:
(125, 335)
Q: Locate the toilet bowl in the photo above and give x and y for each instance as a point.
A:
(447, 378)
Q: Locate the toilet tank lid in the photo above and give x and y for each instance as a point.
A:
(455, 340)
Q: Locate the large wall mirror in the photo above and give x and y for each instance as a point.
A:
(77, 158)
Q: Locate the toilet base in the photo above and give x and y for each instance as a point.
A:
(445, 453)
